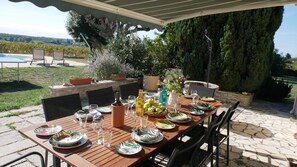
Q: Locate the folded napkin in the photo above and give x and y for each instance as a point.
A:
(147, 134)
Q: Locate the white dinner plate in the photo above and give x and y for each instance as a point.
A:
(147, 135)
(47, 130)
(196, 111)
(128, 148)
(83, 115)
(81, 142)
(105, 109)
(178, 117)
(164, 124)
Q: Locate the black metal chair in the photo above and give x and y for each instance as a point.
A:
(58, 107)
(101, 97)
(221, 137)
(61, 106)
(201, 90)
(42, 164)
(129, 89)
(189, 153)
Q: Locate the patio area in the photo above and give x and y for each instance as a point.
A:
(261, 135)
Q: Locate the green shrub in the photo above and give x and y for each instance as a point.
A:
(106, 64)
(275, 90)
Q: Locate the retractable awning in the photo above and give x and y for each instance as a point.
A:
(156, 13)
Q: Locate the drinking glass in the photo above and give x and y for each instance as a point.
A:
(143, 121)
(136, 119)
(107, 137)
(186, 89)
(96, 122)
(100, 134)
(131, 101)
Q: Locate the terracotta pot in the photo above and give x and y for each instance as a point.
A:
(118, 77)
(80, 81)
(150, 83)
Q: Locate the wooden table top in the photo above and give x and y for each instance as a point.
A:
(98, 155)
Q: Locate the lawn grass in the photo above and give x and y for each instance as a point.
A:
(34, 85)
(80, 60)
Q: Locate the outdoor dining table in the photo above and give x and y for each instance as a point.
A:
(98, 155)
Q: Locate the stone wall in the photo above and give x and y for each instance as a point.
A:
(59, 90)
(231, 97)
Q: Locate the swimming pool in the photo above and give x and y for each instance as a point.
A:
(18, 56)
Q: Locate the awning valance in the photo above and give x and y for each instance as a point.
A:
(156, 13)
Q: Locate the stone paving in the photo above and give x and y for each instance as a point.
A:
(261, 136)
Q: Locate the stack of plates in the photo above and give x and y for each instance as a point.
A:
(203, 106)
(147, 135)
(68, 139)
(178, 117)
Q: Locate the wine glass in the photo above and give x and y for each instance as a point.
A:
(93, 109)
(194, 95)
(131, 101)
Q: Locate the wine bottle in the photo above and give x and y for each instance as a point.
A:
(139, 103)
(117, 101)
(118, 112)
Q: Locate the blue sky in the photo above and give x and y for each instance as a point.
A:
(27, 19)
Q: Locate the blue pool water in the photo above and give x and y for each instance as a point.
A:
(11, 56)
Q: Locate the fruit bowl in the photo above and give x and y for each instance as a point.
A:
(154, 109)
(157, 114)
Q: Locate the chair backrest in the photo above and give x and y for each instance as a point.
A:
(197, 159)
(129, 89)
(61, 106)
(226, 119)
(58, 55)
(38, 54)
(201, 90)
(183, 154)
(101, 97)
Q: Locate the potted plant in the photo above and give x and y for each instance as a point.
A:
(174, 80)
(106, 66)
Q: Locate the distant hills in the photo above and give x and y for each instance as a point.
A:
(39, 40)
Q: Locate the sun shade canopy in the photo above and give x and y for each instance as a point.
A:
(156, 13)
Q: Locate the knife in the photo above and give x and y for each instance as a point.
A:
(79, 150)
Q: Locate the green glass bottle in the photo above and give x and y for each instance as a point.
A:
(117, 101)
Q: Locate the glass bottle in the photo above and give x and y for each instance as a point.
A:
(163, 96)
(118, 112)
(139, 103)
(117, 101)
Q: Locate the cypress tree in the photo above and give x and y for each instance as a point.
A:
(242, 47)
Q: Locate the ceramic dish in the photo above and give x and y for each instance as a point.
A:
(81, 142)
(67, 138)
(188, 96)
(164, 124)
(105, 109)
(178, 117)
(202, 106)
(147, 135)
(47, 130)
(128, 148)
(196, 111)
(82, 114)
(207, 99)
